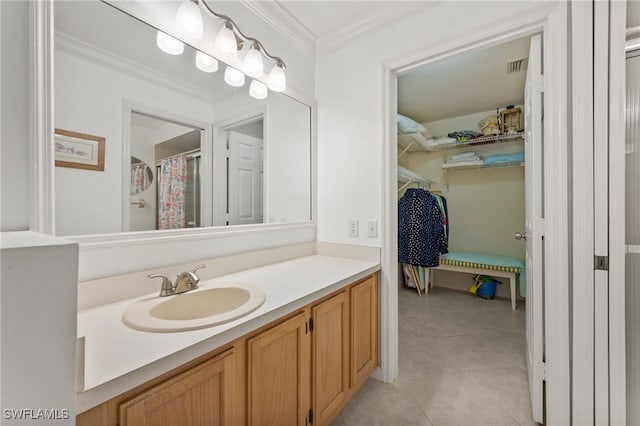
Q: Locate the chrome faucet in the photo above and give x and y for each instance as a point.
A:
(186, 281)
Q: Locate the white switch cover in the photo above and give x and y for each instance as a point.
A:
(372, 228)
(353, 228)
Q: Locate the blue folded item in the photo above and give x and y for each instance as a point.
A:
(464, 134)
(504, 158)
(407, 125)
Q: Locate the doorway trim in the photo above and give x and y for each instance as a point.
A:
(128, 108)
(553, 24)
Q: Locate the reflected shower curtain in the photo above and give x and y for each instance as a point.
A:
(172, 181)
(139, 179)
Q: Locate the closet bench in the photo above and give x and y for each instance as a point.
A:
(486, 264)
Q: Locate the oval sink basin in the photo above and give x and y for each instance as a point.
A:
(201, 308)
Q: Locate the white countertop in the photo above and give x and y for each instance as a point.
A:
(114, 354)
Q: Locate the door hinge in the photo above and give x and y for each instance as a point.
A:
(542, 371)
(310, 324)
(601, 263)
(310, 415)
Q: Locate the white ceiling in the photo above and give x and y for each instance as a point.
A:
(470, 83)
(318, 26)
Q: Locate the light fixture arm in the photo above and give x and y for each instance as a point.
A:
(240, 35)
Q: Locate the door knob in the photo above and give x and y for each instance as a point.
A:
(520, 236)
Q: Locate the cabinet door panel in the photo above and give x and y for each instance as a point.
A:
(202, 395)
(278, 374)
(364, 330)
(330, 357)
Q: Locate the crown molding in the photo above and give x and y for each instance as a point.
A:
(119, 63)
(337, 39)
(280, 19)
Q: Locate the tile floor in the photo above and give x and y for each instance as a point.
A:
(462, 362)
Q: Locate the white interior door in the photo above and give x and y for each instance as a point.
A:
(533, 210)
(245, 179)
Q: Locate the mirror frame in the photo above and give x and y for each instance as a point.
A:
(42, 211)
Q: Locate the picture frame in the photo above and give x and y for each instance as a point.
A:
(78, 150)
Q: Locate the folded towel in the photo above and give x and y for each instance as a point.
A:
(504, 158)
(465, 156)
(407, 125)
(433, 144)
(475, 162)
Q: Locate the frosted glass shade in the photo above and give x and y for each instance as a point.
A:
(189, 19)
(258, 90)
(277, 81)
(168, 44)
(206, 63)
(226, 42)
(253, 64)
(233, 77)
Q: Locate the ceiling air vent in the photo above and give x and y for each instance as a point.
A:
(517, 66)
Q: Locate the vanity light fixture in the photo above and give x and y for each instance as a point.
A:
(277, 80)
(168, 44)
(206, 63)
(258, 90)
(253, 62)
(233, 77)
(228, 41)
(189, 18)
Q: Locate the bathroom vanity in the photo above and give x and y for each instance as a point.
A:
(297, 359)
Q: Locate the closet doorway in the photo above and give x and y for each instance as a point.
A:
(470, 154)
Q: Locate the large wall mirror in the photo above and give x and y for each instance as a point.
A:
(182, 149)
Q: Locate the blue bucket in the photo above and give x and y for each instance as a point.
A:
(488, 290)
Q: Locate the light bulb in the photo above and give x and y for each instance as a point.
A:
(189, 19)
(258, 90)
(205, 62)
(277, 80)
(253, 64)
(226, 42)
(168, 44)
(233, 77)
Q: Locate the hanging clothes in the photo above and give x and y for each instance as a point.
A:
(172, 181)
(421, 231)
(442, 203)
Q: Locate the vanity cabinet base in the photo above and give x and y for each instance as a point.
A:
(301, 369)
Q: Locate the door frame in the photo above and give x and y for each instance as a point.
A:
(552, 22)
(206, 137)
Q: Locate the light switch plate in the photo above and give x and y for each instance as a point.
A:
(353, 228)
(372, 229)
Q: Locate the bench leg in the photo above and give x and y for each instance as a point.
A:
(512, 285)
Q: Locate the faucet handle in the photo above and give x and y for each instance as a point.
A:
(167, 287)
(197, 268)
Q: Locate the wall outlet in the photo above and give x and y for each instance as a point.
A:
(353, 228)
(372, 229)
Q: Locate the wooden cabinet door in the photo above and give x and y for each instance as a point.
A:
(330, 361)
(203, 395)
(278, 374)
(364, 330)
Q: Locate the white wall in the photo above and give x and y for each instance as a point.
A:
(349, 87)
(14, 116)
(287, 145)
(38, 327)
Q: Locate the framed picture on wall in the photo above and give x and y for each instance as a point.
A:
(78, 150)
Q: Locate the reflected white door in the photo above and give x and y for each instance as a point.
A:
(533, 198)
(245, 179)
